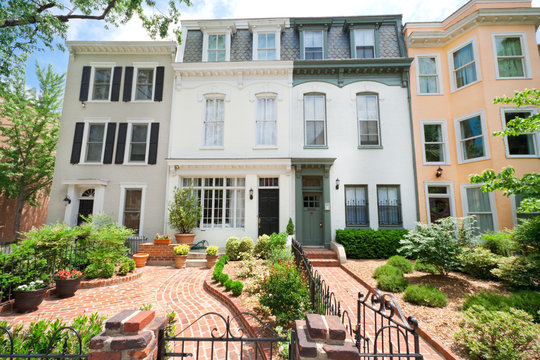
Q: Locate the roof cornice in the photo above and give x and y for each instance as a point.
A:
(122, 47)
(352, 65)
(480, 17)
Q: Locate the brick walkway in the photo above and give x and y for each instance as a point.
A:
(346, 289)
(166, 288)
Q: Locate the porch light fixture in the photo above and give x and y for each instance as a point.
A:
(67, 199)
(250, 194)
(337, 184)
(439, 172)
(83, 104)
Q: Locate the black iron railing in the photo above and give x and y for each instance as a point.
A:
(133, 242)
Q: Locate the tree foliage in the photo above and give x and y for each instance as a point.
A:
(29, 25)
(29, 133)
(528, 186)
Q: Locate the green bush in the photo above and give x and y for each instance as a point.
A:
(228, 284)
(401, 263)
(237, 288)
(499, 243)
(223, 279)
(440, 243)
(290, 227)
(278, 255)
(421, 266)
(525, 300)
(107, 271)
(123, 269)
(260, 247)
(499, 335)
(370, 244)
(387, 270)
(91, 271)
(527, 236)
(392, 283)
(284, 291)
(131, 264)
(519, 271)
(266, 244)
(245, 248)
(479, 262)
(232, 248)
(425, 295)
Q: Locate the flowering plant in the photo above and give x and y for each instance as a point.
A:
(33, 285)
(163, 237)
(67, 274)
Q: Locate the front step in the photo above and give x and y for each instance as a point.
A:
(322, 257)
(325, 262)
(197, 258)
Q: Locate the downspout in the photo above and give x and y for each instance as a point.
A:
(413, 149)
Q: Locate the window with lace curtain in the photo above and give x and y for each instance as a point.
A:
(480, 205)
(367, 108)
(266, 121)
(389, 205)
(428, 75)
(213, 122)
(463, 65)
(510, 56)
(356, 205)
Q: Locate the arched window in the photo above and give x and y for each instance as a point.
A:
(367, 110)
(315, 119)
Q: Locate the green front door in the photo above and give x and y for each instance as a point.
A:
(312, 219)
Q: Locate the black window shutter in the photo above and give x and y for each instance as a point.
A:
(85, 83)
(158, 94)
(77, 143)
(154, 136)
(127, 83)
(121, 143)
(109, 143)
(117, 79)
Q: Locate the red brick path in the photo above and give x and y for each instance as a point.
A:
(346, 289)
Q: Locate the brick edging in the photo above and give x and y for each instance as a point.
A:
(95, 283)
(235, 305)
(424, 335)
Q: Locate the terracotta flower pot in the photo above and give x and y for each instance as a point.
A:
(67, 287)
(185, 239)
(180, 261)
(162, 241)
(211, 261)
(140, 259)
(29, 300)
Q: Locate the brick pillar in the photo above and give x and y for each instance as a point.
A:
(128, 335)
(323, 338)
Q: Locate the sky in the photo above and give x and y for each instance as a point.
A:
(412, 10)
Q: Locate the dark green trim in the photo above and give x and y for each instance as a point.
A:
(377, 39)
(324, 28)
(381, 63)
(415, 173)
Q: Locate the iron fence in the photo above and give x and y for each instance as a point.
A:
(133, 242)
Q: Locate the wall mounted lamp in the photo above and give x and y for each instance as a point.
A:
(439, 172)
(83, 104)
(67, 199)
(250, 194)
(337, 183)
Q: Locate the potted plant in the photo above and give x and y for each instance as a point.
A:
(181, 252)
(29, 296)
(164, 239)
(67, 282)
(290, 232)
(184, 214)
(140, 259)
(211, 256)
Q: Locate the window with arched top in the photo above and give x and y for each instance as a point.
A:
(367, 110)
(214, 120)
(266, 119)
(315, 119)
(88, 193)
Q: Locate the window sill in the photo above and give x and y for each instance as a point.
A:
(135, 163)
(514, 78)
(436, 163)
(430, 94)
(534, 156)
(91, 164)
(315, 147)
(98, 101)
(394, 227)
(372, 147)
(142, 101)
(474, 160)
(212, 148)
(265, 147)
(464, 86)
(357, 227)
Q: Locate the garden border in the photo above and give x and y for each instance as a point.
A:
(448, 355)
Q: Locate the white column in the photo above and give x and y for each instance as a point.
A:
(70, 215)
(284, 201)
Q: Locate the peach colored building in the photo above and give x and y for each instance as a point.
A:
(483, 50)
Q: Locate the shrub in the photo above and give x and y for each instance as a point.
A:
(265, 244)
(228, 284)
(290, 227)
(499, 335)
(184, 210)
(519, 271)
(278, 255)
(392, 283)
(425, 295)
(370, 244)
(223, 278)
(387, 270)
(401, 263)
(123, 269)
(232, 248)
(499, 243)
(237, 288)
(181, 249)
(260, 247)
(131, 264)
(212, 250)
(439, 243)
(107, 271)
(91, 271)
(528, 301)
(421, 266)
(284, 291)
(245, 248)
(527, 236)
(479, 262)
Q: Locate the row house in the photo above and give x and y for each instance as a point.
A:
(114, 134)
(484, 50)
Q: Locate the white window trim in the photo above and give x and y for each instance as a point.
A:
(87, 123)
(212, 96)
(465, 205)
(128, 141)
(265, 95)
(535, 136)
(453, 85)
(262, 30)
(325, 145)
(526, 63)
(457, 132)
(227, 33)
(360, 146)
(95, 65)
(450, 196)
(438, 68)
(322, 40)
(136, 67)
(123, 188)
(446, 148)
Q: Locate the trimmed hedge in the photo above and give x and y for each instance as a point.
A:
(219, 276)
(525, 300)
(425, 295)
(370, 244)
(401, 263)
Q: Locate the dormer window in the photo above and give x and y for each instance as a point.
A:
(216, 47)
(313, 45)
(266, 46)
(266, 41)
(364, 43)
(217, 44)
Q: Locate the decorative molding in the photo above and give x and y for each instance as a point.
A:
(122, 47)
(85, 182)
(202, 94)
(180, 166)
(265, 90)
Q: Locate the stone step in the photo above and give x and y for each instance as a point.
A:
(325, 262)
(200, 254)
(320, 254)
(199, 263)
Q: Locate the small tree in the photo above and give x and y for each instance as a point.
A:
(290, 227)
(184, 210)
(440, 243)
(29, 132)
